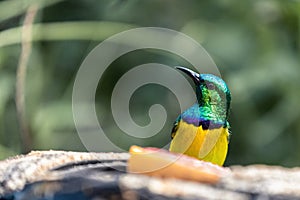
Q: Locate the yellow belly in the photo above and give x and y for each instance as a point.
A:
(207, 145)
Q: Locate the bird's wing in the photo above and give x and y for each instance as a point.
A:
(175, 127)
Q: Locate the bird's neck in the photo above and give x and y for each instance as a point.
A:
(212, 106)
(214, 112)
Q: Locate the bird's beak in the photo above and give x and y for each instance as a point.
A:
(195, 76)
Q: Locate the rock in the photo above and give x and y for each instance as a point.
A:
(272, 182)
(19, 171)
(75, 175)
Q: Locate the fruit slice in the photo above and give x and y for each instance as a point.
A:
(162, 163)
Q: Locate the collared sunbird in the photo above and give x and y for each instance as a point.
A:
(202, 131)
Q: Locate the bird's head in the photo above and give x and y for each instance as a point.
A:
(211, 90)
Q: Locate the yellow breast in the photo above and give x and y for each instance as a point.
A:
(208, 145)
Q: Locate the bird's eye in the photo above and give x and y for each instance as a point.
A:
(210, 86)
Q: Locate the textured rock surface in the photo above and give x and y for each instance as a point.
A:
(74, 175)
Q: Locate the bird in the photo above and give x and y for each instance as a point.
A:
(202, 131)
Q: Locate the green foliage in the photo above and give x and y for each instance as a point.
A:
(255, 43)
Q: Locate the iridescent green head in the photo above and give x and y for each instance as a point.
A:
(212, 93)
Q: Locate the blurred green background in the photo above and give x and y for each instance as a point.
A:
(255, 43)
